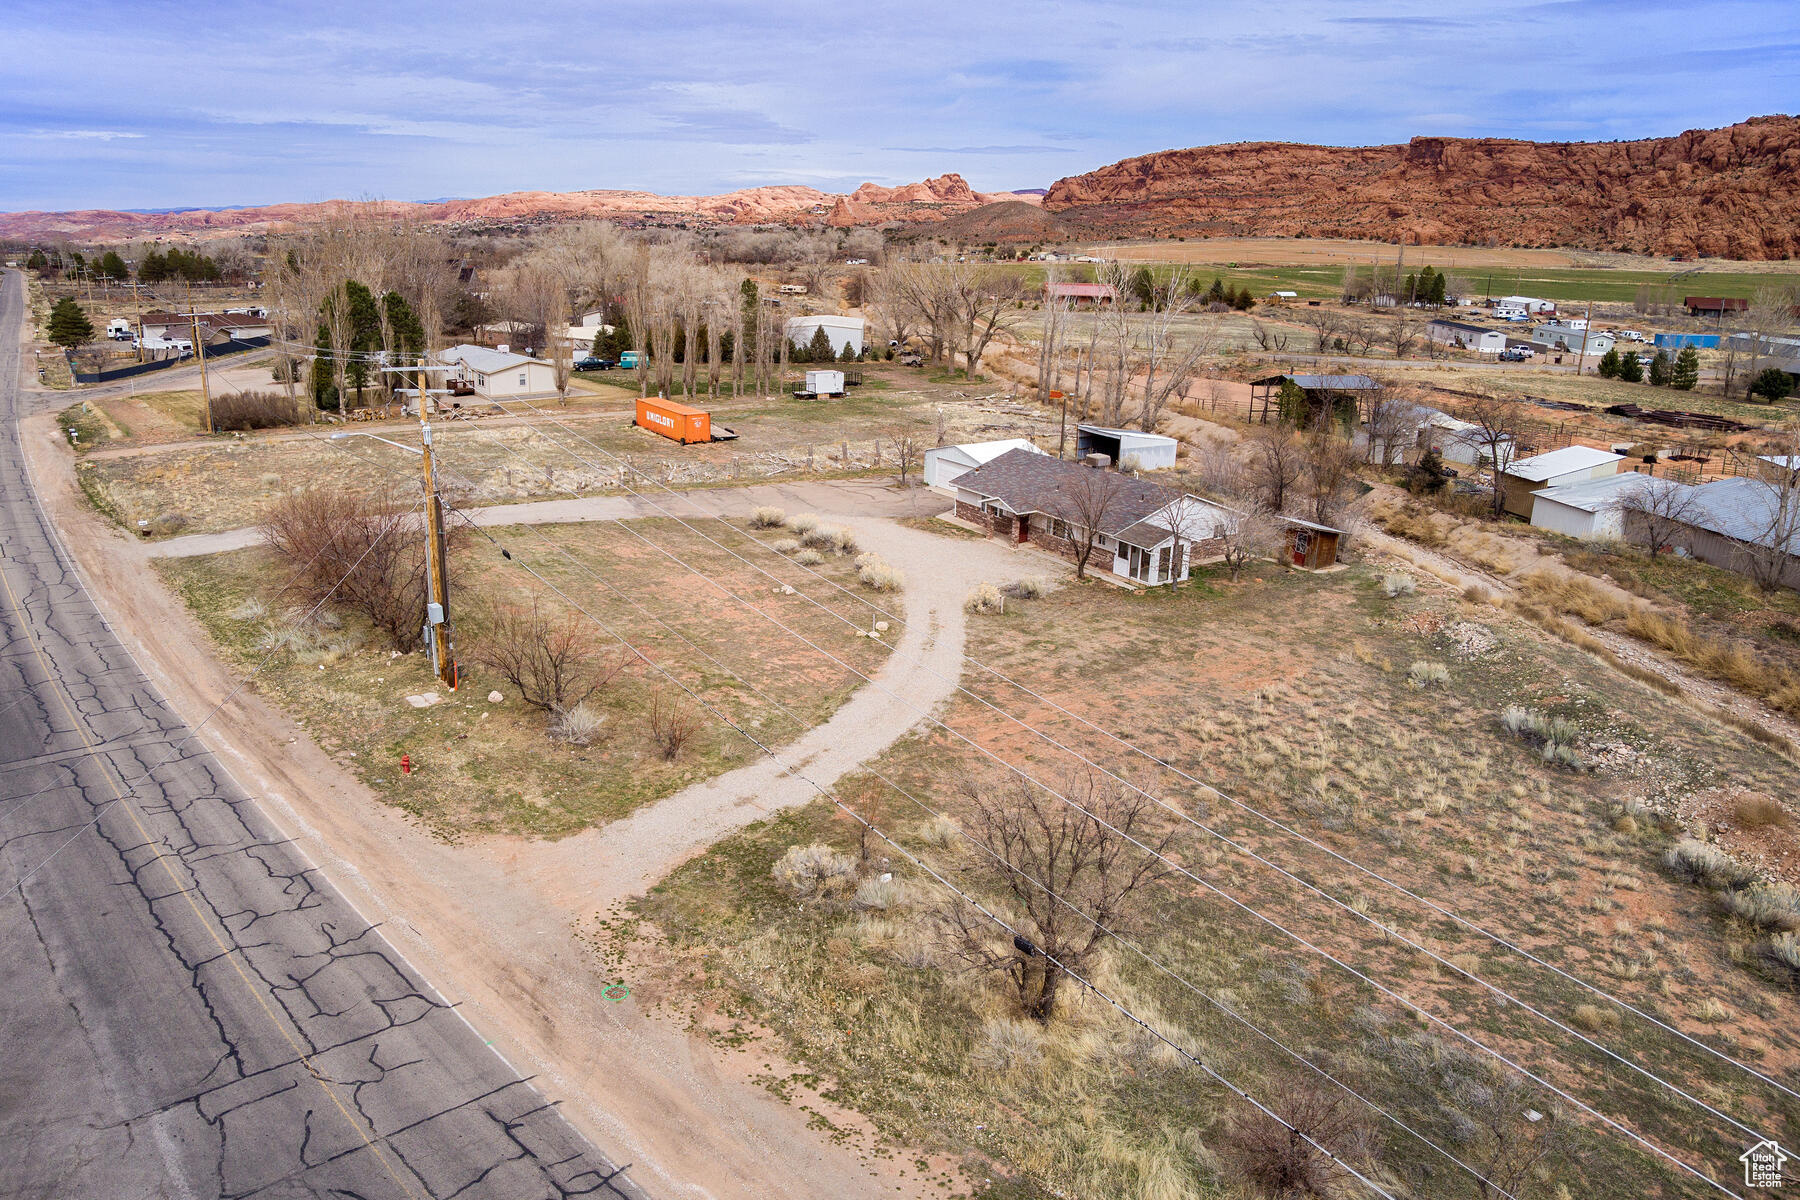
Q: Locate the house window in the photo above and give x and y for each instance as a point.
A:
(521, 381)
(1059, 528)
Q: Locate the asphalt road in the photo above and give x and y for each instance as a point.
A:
(187, 1009)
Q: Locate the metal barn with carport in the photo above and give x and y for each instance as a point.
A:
(1131, 448)
(1523, 477)
(1589, 510)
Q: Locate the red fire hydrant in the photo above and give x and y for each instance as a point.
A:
(406, 764)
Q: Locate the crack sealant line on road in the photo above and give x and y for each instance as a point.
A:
(227, 949)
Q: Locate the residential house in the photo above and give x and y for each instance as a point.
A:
(1528, 305)
(1565, 339)
(1142, 531)
(1463, 336)
(1523, 477)
(499, 374)
(945, 464)
(1081, 293)
(1714, 306)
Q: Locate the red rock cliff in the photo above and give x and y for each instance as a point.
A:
(1724, 192)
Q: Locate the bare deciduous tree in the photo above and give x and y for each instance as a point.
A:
(1329, 476)
(673, 723)
(1494, 426)
(551, 659)
(1256, 533)
(1276, 462)
(1071, 854)
(1657, 512)
(1768, 557)
(1088, 500)
(1390, 421)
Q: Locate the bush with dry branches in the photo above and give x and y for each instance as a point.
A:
(673, 724)
(366, 551)
(549, 657)
(1280, 1161)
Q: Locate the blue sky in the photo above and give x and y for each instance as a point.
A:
(153, 104)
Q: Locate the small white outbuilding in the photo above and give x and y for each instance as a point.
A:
(1523, 477)
(1130, 448)
(1589, 509)
(945, 464)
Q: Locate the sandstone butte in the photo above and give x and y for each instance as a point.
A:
(1728, 193)
(932, 199)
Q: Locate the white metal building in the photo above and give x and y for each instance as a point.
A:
(1530, 305)
(500, 374)
(1465, 336)
(1523, 477)
(843, 331)
(1589, 509)
(945, 464)
(1130, 448)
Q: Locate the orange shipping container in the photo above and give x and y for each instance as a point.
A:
(683, 423)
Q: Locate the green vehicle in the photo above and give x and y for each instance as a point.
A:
(628, 360)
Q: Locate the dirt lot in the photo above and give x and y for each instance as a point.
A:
(1294, 694)
(203, 485)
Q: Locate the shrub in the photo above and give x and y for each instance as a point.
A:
(250, 610)
(1007, 1045)
(1593, 1018)
(1555, 737)
(1784, 948)
(1428, 674)
(940, 831)
(802, 523)
(986, 598)
(784, 545)
(809, 558)
(551, 659)
(1397, 584)
(1030, 588)
(577, 726)
(1766, 906)
(878, 576)
(256, 410)
(1706, 865)
(1757, 811)
(816, 870)
(880, 894)
(673, 724)
(766, 517)
(834, 539)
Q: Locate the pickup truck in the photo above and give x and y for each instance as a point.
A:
(1517, 353)
(594, 364)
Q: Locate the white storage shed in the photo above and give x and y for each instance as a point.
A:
(944, 465)
(1523, 477)
(1589, 509)
(1126, 447)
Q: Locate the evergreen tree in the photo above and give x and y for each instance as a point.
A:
(848, 353)
(1772, 384)
(600, 346)
(409, 334)
(37, 261)
(819, 349)
(1609, 365)
(1686, 372)
(1631, 367)
(1439, 290)
(1216, 293)
(154, 268)
(1143, 286)
(111, 266)
(1660, 369)
(69, 326)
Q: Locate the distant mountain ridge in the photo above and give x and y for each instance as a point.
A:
(930, 199)
(1728, 192)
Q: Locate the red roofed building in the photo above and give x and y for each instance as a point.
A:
(1075, 293)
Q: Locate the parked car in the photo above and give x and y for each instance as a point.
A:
(591, 363)
(911, 360)
(1630, 335)
(1518, 353)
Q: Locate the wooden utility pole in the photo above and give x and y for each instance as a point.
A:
(137, 310)
(437, 607)
(200, 353)
(1586, 325)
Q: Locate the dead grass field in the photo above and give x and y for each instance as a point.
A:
(483, 768)
(1295, 694)
(207, 485)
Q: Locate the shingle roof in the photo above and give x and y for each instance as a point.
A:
(1036, 483)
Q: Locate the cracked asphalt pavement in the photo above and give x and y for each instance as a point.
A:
(187, 1008)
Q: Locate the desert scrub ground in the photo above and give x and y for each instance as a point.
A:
(482, 768)
(1298, 695)
(202, 485)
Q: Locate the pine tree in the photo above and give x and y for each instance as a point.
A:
(1660, 369)
(599, 348)
(409, 333)
(111, 266)
(1609, 365)
(1631, 368)
(1686, 372)
(69, 326)
(154, 268)
(1216, 293)
(37, 261)
(1439, 290)
(1772, 384)
(848, 353)
(819, 349)
(1143, 286)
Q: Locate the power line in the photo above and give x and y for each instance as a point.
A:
(1233, 899)
(1137, 949)
(927, 869)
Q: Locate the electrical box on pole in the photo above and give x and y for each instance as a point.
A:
(437, 607)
